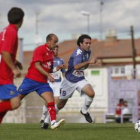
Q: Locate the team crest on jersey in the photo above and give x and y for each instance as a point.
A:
(11, 92)
(49, 64)
(21, 90)
(78, 52)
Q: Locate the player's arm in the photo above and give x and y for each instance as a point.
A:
(18, 64)
(9, 61)
(59, 67)
(42, 71)
(85, 64)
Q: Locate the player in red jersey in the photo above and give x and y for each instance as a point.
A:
(35, 79)
(119, 110)
(9, 66)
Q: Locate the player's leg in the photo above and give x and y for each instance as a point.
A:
(21, 96)
(66, 91)
(11, 104)
(15, 102)
(2, 116)
(5, 105)
(61, 103)
(48, 97)
(56, 93)
(88, 90)
(9, 99)
(44, 113)
(85, 87)
(56, 99)
(26, 87)
(45, 119)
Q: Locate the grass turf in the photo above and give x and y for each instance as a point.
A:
(76, 131)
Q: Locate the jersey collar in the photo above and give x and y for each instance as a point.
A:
(13, 26)
(47, 47)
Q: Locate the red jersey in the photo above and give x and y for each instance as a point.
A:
(44, 55)
(118, 109)
(8, 43)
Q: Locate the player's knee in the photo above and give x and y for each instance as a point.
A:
(15, 103)
(91, 94)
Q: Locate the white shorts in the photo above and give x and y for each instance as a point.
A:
(67, 88)
(56, 88)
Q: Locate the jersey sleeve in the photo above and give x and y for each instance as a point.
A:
(38, 55)
(77, 59)
(61, 61)
(9, 41)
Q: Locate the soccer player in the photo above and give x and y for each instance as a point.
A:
(9, 66)
(75, 79)
(58, 68)
(38, 72)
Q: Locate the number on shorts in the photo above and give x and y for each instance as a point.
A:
(62, 92)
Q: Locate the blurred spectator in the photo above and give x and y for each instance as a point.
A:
(119, 110)
(125, 111)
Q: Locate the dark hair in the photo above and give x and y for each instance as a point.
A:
(81, 38)
(121, 100)
(49, 37)
(15, 15)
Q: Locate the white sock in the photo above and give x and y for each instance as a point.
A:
(87, 103)
(56, 108)
(53, 121)
(47, 119)
(44, 112)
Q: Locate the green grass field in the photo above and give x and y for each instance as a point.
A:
(76, 131)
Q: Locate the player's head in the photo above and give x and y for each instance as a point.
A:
(121, 101)
(56, 48)
(51, 41)
(125, 103)
(15, 16)
(84, 42)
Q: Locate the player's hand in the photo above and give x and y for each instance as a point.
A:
(18, 64)
(62, 66)
(16, 73)
(51, 79)
(93, 61)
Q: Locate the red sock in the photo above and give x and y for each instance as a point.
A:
(5, 106)
(52, 111)
(1, 116)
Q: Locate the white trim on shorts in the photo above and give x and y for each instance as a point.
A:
(68, 88)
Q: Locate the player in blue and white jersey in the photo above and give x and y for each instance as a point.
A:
(75, 79)
(58, 70)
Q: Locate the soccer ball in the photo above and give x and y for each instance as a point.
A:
(137, 126)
